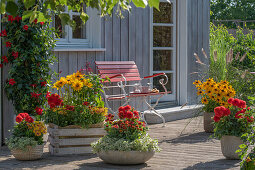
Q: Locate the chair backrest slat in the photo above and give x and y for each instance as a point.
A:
(111, 68)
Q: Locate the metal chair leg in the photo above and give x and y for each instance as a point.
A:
(158, 114)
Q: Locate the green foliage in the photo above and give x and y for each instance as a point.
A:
(107, 143)
(233, 10)
(21, 143)
(247, 150)
(40, 9)
(240, 53)
(29, 55)
(82, 116)
(220, 43)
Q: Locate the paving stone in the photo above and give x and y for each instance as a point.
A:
(183, 147)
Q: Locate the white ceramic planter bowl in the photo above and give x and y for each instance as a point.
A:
(229, 145)
(125, 157)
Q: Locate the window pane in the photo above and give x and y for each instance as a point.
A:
(162, 60)
(58, 26)
(80, 31)
(162, 36)
(157, 85)
(165, 13)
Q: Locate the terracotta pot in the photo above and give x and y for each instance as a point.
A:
(208, 122)
(32, 153)
(229, 145)
(125, 157)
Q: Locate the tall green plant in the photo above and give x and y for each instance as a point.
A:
(220, 43)
(29, 55)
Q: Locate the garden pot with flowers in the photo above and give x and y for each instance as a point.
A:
(126, 141)
(26, 142)
(230, 124)
(75, 116)
(213, 94)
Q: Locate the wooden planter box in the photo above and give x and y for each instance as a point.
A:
(73, 139)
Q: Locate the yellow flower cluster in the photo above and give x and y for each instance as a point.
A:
(219, 92)
(76, 80)
(38, 128)
(99, 110)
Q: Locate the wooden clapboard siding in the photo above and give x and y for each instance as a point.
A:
(198, 37)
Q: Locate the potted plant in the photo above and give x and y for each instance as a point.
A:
(213, 94)
(230, 124)
(71, 113)
(26, 142)
(126, 141)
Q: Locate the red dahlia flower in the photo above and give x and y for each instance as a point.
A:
(19, 119)
(17, 18)
(5, 59)
(230, 100)
(15, 54)
(86, 103)
(41, 23)
(35, 21)
(10, 18)
(8, 44)
(129, 115)
(226, 112)
(12, 82)
(4, 33)
(127, 107)
(236, 102)
(29, 119)
(70, 108)
(39, 110)
(216, 118)
(25, 27)
(23, 115)
(43, 84)
(121, 108)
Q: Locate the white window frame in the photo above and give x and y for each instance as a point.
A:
(172, 96)
(93, 34)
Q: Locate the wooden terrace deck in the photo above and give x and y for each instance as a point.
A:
(192, 150)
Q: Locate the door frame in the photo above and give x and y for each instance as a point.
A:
(173, 95)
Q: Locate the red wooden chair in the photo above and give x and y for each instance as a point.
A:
(122, 73)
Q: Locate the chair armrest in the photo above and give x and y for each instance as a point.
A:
(155, 75)
(120, 75)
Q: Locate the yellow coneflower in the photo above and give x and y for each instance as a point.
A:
(78, 75)
(204, 100)
(197, 82)
(77, 85)
(69, 79)
(59, 84)
(200, 92)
